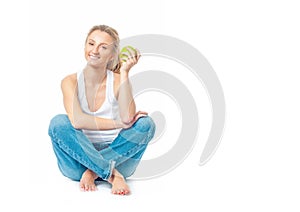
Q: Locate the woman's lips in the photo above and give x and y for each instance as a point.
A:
(93, 57)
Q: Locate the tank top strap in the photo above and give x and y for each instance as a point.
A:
(81, 91)
(110, 95)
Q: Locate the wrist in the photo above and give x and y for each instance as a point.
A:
(124, 76)
(123, 72)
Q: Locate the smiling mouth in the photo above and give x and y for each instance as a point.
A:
(93, 57)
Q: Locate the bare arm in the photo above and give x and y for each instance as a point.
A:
(125, 98)
(78, 118)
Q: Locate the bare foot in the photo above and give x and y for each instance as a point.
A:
(87, 181)
(119, 185)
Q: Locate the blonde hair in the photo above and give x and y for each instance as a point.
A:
(115, 64)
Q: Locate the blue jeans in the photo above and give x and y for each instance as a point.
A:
(75, 153)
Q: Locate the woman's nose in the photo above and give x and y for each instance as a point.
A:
(95, 50)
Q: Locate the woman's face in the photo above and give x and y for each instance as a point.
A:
(99, 48)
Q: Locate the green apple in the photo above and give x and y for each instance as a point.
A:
(125, 52)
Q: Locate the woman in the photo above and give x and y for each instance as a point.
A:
(102, 135)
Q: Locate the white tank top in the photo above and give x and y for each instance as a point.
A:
(109, 109)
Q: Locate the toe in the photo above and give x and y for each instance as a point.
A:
(81, 186)
(94, 188)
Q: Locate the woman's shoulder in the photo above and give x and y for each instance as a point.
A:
(69, 79)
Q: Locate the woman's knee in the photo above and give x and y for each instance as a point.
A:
(57, 122)
(145, 124)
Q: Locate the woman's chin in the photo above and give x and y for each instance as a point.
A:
(95, 63)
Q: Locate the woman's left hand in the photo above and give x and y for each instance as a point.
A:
(131, 58)
(138, 115)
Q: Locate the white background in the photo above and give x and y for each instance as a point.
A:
(252, 45)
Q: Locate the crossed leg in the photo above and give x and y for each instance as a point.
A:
(77, 157)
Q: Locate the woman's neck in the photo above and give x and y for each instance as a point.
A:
(94, 76)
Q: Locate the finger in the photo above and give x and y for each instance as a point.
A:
(138, 54)
(133, 53)
(132, 50)
(132, 57)
(142, 112)
(125, 49)
(136, 116)
(139, 116)
(124, 57)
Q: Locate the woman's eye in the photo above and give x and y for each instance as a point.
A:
(104, 47)
(91, 44)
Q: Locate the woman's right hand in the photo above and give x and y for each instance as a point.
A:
(138, 115)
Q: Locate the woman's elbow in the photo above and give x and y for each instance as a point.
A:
(75, 122)
(127, 118)
(76, 125)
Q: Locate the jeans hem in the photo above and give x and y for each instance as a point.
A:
(111, 168)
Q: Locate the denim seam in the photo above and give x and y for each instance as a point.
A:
(133, 150)
(86, 164)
